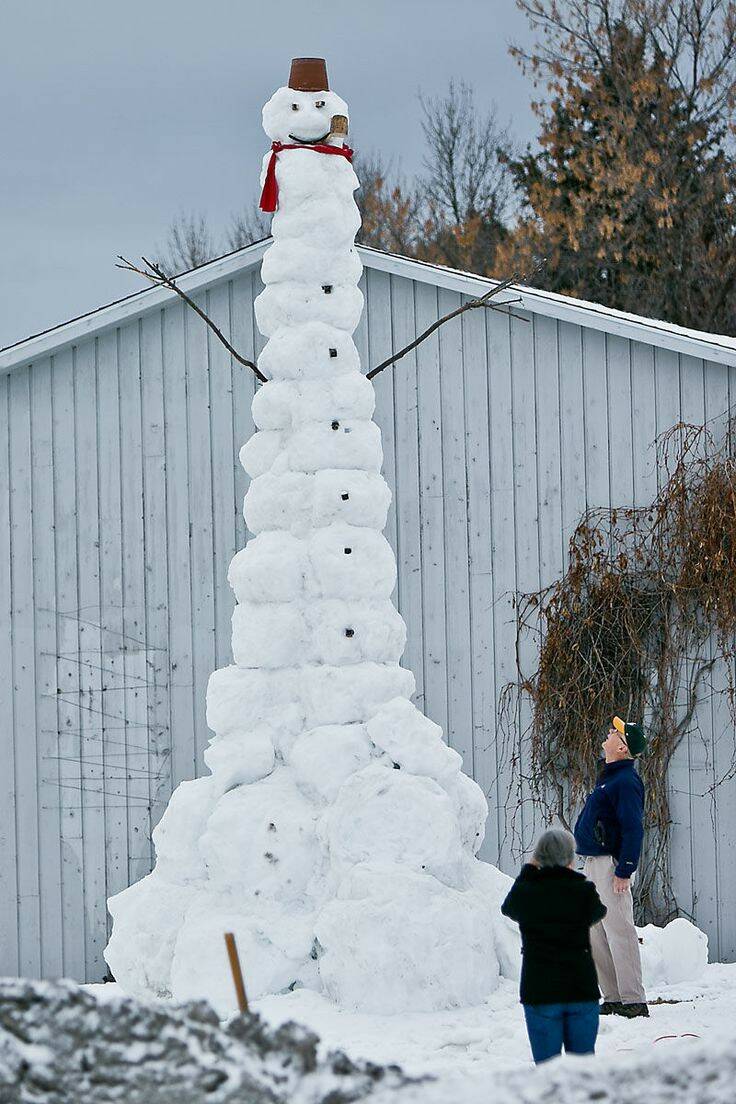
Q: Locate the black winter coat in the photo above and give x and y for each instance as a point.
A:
(555, 908)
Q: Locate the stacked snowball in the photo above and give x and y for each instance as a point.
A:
(336, 834)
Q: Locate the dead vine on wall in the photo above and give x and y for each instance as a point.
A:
(646, 608)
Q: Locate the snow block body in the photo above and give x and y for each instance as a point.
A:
(336, 835)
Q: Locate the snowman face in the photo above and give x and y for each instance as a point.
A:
(304, 117)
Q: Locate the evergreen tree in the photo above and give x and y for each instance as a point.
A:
(631, 195)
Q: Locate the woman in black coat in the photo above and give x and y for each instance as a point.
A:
(555, 907)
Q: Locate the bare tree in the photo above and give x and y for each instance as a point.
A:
(466, 187)
(694, 39)
(390, 207)
(464, 174)
(189, 244)
(248, 226)
(190, 241)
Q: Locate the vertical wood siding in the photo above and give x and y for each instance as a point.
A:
(121, 507)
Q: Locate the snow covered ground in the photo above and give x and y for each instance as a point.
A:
(479, 1043)
(684, 1053)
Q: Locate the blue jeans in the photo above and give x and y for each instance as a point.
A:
(550, 1026)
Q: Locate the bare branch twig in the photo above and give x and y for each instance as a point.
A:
(155, 275)
(472, 304)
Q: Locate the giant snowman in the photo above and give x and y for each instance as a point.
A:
(336, 834)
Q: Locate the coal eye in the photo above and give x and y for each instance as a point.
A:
(295, 107)
(319, 103)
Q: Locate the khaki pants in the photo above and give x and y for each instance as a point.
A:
(613, 940)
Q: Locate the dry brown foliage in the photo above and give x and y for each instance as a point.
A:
(646, 608)
(631, 195)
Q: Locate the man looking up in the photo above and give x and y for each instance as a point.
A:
(609, 833)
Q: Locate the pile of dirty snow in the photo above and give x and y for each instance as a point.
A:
(61, 1045)
(699, 1074)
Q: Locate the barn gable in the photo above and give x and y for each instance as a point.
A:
(120, 508)
(715, 347)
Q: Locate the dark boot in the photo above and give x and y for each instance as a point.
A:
(610, 1008)
(631, 1011)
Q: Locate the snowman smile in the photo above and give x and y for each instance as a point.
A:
(309, 141)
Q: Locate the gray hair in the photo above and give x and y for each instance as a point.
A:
(555, 847)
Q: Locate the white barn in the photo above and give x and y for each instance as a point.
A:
(120, 509)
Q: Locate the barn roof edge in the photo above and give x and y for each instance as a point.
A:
(707, 346)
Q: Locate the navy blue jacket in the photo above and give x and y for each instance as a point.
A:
(612, 822)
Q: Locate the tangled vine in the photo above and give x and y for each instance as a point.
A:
(645, 610)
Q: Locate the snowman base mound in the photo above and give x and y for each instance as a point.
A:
(392, 940)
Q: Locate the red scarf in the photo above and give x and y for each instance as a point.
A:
(270, 193)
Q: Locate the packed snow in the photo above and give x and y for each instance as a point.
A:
(685, 1051)
(336, 835)
(482, 1053)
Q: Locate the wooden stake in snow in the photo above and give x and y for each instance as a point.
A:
(232, 954)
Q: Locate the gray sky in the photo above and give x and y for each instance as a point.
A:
(115, 117)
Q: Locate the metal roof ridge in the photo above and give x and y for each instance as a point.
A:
(707, 346)
(565, 307)
(138, 302)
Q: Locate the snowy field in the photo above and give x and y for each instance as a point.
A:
(685, 1051)
(478, 1043)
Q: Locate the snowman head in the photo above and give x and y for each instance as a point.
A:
(302, 111)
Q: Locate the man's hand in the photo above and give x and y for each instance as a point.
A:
(621, 885)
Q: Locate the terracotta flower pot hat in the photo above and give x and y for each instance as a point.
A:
(309, 75)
